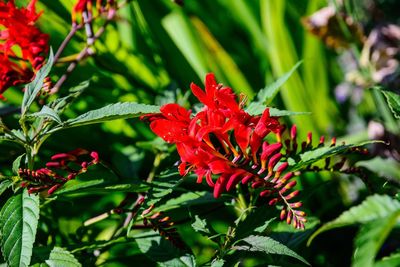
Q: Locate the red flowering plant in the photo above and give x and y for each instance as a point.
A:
(227, 146)
(23, 47)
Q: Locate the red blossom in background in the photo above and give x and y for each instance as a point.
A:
(23, 46)
(225, 145)
(62, 168)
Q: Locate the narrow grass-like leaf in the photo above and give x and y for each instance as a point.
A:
(373, 208)
(47, 112)
(393, 101)
(60, 257)
(34, 87)
(18, 223)
(370, 239)
(267, 94)
(270, 246)
(111, 112)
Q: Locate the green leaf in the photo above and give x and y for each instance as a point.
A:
(388, 168)
(60, 257)
(47, 113)
(18, 223)
(270, 246)
(162, 251)
(257, 108)
(390, 261)
(17, 164)
(60, 104)
(4, 184)
(256, 222)
(217, 263)
(393, 101)
(33, 88)
(320, 153)
(188, 199)
(112, 112)
(370, 239)
(267, 94)
(373, 208)
(200, 225)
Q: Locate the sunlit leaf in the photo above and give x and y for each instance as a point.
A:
(373, 208)
(60, 257)
(270, 246)
(18, 223)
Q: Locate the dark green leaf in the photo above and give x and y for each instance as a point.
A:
(373, 208)
(370, 239)
(60, 257)
(270, 246)
(187, 199)
(256, 222)
(390, 261)
(162, 251)
(18, 223)
(60, 104)
(317, 154)
(112, 112)
(393, 101)
(35, 86)
(47, 113)
(4, 184)
(17, 163)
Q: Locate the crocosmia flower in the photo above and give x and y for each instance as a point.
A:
(227, 146)
(23, 47)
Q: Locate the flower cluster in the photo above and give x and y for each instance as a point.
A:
(63, 168)
(226, 145)
(23, 46)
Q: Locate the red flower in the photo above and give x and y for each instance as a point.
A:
(23, 47)
(217, 141)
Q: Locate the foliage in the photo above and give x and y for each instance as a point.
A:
(104, 147)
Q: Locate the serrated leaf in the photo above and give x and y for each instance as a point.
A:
(47, 112)
(373, 208)
(267, 94)
(60, 257)
(33, 88)
(18, 223)
(320, 153)
(162, 251)
(17, 163)
(370, 239)
(200, 225)
(112, 112)
(390, 261)
(4, 184)
(270, 246)
(60, 104)
(393, 101)
(257, 108)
